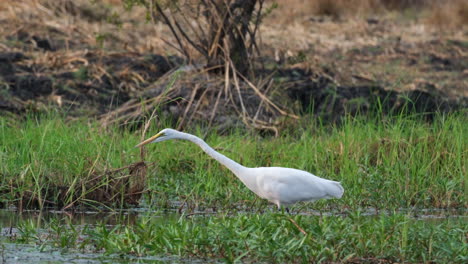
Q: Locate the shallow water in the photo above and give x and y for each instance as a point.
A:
(21, 253)
(24, 253)
(424, 214)
(10, 217)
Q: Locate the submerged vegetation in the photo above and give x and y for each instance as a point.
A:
(270, 237)
(392, 169)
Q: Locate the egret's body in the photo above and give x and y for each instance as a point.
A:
(281, 186)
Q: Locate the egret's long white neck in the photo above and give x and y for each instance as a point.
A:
(235, 167)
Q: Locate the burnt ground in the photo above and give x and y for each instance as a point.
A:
(91, 82)
(429, 77)
(109, 72)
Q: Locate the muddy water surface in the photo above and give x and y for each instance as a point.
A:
(11, 252)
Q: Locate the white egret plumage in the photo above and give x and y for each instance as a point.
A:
(281, 186)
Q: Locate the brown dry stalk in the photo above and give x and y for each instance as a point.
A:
(298, 227)
(143, 134)
(134, 108)
(270, 84)
(236, 84)
(187, 108)
(197, 105)
(265, 98)
(214, 109)
(167, 21)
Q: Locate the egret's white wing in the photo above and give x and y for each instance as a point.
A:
(291, 185)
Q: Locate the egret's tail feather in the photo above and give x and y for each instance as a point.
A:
(336, 189)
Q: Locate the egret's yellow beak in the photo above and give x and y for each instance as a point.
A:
(149, 140)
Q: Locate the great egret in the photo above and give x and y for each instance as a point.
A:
(281, 186)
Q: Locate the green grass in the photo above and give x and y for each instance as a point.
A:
(270, 238)
(393, 165)
(399, 162)
(47, 161)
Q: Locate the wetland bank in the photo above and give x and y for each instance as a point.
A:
(397, 172)
(383, 110)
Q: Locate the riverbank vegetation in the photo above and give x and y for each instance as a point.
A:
(369, 93)
(269, 237)
(384, 162)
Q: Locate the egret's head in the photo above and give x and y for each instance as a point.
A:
(163, 135)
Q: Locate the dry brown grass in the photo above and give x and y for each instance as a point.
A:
(341, 8)
(451, 14)
(350, 45)
(296, 9)
(84, 24)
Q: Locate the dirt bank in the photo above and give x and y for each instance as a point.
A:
(73, 57)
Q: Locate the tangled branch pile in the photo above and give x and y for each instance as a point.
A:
(218, 41)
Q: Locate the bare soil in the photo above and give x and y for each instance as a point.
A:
(79, 57)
